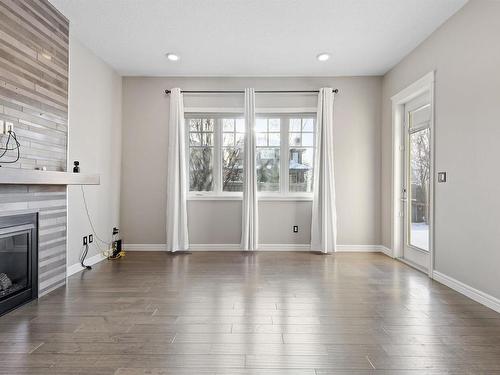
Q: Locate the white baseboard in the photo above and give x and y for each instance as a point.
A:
(145, 247)
(75, 268)
(214, 247)
(262, 247)
(359, 249)
(468, 291)
(386, 251)
(284, 247)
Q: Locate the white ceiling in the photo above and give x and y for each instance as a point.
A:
(254, 37)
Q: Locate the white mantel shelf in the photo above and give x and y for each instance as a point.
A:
(12, 176)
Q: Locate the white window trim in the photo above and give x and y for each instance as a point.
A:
(220, 113)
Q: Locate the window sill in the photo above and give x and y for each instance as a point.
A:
(208, 197)
(265, 198)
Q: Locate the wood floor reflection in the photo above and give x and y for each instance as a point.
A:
(240, 313)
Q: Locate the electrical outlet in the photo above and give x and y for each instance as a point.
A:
(84, 240)
(295, 229)
(91, 238)
(6, 127)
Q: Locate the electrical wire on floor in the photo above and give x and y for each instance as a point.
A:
(83, 256)
(109, 252)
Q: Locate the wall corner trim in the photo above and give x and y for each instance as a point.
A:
(75, 268)
(468, 291)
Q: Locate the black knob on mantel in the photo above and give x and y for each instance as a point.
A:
(76, 168)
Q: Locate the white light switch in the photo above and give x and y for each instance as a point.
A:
(441, 177)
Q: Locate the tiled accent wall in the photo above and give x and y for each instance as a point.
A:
(34, 51)
(50, 201)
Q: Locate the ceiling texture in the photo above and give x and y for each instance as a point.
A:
(254, 37)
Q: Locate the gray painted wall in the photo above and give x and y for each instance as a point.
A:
(465, 53)
(357, 153)
(95, 140)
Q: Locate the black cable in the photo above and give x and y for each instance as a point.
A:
(84, 255)
(12, 135)
(6, 147)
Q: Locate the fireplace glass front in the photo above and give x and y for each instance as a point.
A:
(18, 260)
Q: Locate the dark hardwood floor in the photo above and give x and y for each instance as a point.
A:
(265, 313)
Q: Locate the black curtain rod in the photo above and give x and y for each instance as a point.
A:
(242, 92)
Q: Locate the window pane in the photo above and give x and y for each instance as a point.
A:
(240, 139)
(295, 139)
(240, 125)
(261, 139)
(201, 169)
(274, 124)
(301, 169)
(228, 139)
(195, 139)
(274, 139)
(208, 125)
(228, 125)
(208, 139)
(308, 125)
(261, 125)
(307, 139)
(195, 125)
(295, 125)
(268, 169)
(419, 188)
(232, 174)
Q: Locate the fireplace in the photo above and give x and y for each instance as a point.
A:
(18, 260)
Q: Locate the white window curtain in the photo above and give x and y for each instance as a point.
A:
(177, 226)
(324, 216)
(249, 222)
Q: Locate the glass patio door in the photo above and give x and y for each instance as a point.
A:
(416, 184)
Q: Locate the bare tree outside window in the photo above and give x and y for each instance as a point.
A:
(268, 140)
(420, 177)
(233, 137)
(201, 150)
(284, 149)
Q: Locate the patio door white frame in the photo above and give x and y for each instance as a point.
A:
(399, 101)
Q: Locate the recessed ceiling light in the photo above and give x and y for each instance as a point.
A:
(172, 56)
(323, 56)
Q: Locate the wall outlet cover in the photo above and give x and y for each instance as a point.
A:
(441, 177)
